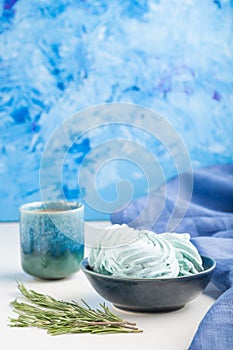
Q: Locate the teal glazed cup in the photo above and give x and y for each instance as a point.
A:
(51, 238)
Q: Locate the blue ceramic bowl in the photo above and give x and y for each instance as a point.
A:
(150, 294)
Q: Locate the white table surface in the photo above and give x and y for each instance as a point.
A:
(161, 331)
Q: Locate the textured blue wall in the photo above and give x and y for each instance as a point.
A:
(60, 57)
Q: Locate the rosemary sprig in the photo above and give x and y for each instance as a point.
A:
(61, 317)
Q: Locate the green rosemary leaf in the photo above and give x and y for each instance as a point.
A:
(61, 317)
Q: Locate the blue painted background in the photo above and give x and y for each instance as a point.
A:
(60, 57)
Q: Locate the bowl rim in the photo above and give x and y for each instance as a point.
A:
(84, 267)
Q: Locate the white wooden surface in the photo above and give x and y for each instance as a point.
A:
(162, 331)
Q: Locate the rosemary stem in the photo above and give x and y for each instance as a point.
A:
(61, 317)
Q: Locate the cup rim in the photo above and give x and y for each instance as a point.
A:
(24, 208)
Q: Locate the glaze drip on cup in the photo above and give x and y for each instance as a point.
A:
(147, 255)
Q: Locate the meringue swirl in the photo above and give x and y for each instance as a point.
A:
(187, 254)
(146, 255)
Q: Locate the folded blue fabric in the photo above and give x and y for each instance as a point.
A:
(209, 220)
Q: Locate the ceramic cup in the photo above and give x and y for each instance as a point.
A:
(51, 238)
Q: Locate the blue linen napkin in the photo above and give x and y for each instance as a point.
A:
(209, 220)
